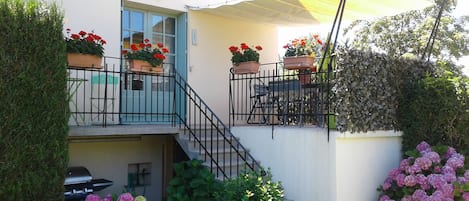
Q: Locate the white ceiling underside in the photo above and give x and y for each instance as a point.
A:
(304, 12)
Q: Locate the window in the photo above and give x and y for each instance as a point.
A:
(138, 25)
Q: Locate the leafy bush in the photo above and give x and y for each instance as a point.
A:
(433, 110)
(429, 173)
(192, 181)
(33, 102)
(252, 186)
(367, 86)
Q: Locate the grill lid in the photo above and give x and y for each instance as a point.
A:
(77, 175)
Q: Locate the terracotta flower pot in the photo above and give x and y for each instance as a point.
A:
(84, 60)
(298, 63)
(246, 67)
(144, 67)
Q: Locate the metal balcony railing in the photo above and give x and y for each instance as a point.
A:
(276, 96)
(113, 95)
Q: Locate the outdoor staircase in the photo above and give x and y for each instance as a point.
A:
(205, 137)
(218, 154)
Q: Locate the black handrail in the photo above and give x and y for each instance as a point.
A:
(200, 117)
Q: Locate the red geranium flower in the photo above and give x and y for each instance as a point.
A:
(84, 43)
(233, 49)
(245, 54)
(244, 46)
(145, 51)
(134, 47)
(75, 36)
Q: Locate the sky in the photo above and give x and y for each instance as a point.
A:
(285, 34)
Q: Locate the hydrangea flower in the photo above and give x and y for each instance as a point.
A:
(428, 174)
(92, 197)
(122, 197)
(125, 197)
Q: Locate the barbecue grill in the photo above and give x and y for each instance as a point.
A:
(79, 183)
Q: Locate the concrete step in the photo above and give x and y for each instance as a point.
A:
(221, 150)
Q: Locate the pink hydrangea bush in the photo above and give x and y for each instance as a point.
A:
(429, 174)
(122, 197)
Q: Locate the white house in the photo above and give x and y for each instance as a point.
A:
(120, 123)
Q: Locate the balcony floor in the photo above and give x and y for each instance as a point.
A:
(121, 130)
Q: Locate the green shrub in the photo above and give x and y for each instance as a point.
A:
(193, 181)
(433, 110)
(367, 86)
(33, 102)
(252, 186)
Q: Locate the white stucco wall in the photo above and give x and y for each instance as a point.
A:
(209, 58)
(110, 160)
(298, 157)
(102, 17)
(363, 162)
(311, 168)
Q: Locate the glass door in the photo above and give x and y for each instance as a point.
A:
(148, 98)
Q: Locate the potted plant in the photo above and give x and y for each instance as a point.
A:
(300, 53)
(84, 49)
(245, 59)
(143, 57)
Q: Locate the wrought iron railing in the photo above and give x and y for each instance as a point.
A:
(112, 95)
(276, 96)
(224, 154)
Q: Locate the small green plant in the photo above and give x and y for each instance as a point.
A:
(193, 181)
(85, 43)
(252, 186)
(304, 46)
(244, 53)
(147, 52)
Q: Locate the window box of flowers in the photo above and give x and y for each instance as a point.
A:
(245, 59)
(300, 53)
(84, 50)
(143, 58)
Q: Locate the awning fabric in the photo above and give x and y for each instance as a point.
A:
(302, 12)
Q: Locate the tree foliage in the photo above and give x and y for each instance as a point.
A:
(434, 109)
(408, 34)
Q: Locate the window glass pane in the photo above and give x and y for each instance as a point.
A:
(126, 19)
(137, 37)
(170, 25)
(157, 38)
(137, 21)
(170, 60)
(170, 43)
(126, 39)
(157, 23)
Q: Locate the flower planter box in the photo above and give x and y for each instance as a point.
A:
(84, 60)
(298, 63)
(248, 67)
(141, 66)
(304, 78)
